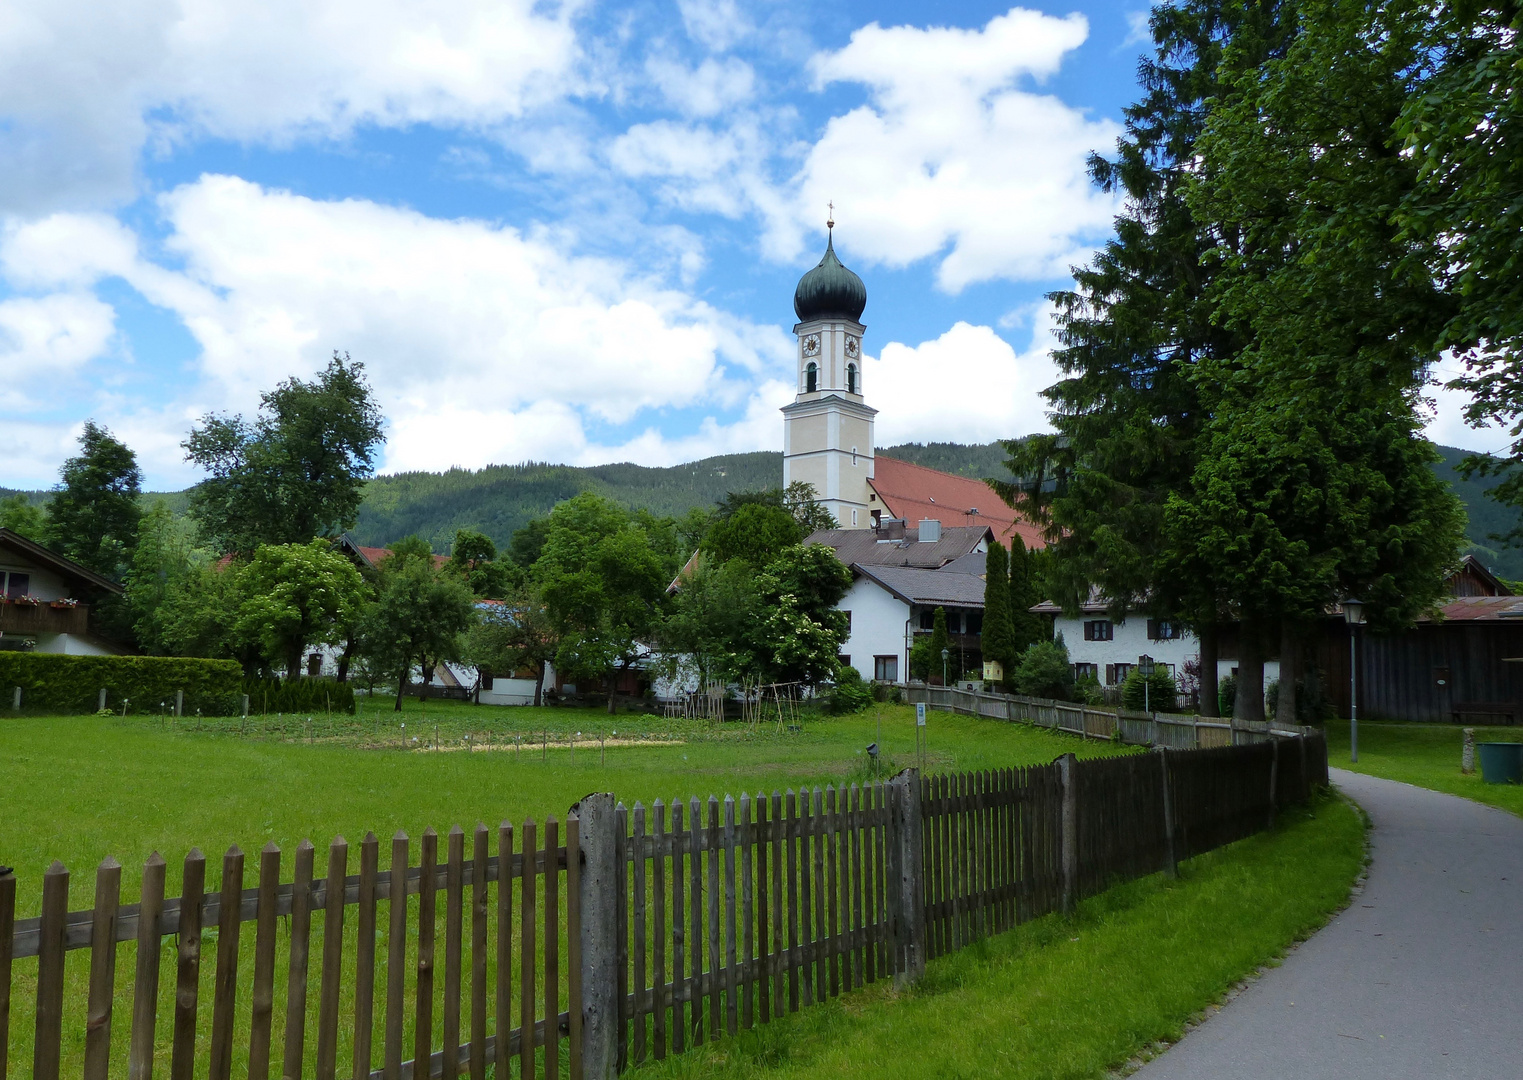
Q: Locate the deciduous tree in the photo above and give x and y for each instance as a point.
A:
(296, 595)
(93, 517)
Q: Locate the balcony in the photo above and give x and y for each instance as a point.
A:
(42, 619)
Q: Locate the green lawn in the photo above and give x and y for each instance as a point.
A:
(1427, 755)
(81, 788)
(1061, 998)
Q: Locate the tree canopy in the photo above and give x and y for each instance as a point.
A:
(295, 472)
(93, 517)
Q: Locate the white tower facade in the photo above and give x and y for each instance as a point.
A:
(828, 429)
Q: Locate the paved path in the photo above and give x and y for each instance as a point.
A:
(1421, 977)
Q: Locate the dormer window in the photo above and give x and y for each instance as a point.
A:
(811, 377)
(851, 379)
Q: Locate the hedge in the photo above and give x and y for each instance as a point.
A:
(310, 696)
(52, 681)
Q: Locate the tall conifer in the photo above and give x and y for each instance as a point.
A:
(998, 639)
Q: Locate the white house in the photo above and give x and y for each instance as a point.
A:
(889, 605)
(1110, 648)
(45, 597)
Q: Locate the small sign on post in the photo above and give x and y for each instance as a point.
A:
(920, 714)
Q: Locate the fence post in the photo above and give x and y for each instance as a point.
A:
(1170, 859)
(245, 706)
(100, 701)
(1070, 830)
(1274, 776)
(600, 939)
(908, 901)
(16, 699)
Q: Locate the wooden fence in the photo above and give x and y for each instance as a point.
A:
(669, 926)
(1178, 731)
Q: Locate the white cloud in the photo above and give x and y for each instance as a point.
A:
(484, 343)
(711, 87)
(79, 79)
(981, 389)
(716, 24)
(50, 336)
(951, 151)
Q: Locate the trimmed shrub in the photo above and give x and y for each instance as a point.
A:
(310, 695)
(1157, 691)
(72, 684)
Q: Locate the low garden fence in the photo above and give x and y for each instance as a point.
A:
(635, 934)
(1133, 726)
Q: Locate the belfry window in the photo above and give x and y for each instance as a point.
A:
(851, 379)
(811, 378)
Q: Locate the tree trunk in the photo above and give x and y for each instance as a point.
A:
(1290, 671)
(402, 683)
(1210, 688)
(1250, 672)
(613, 682)
(425, 676)
(539, 684)
(293, 662)
(343, 660)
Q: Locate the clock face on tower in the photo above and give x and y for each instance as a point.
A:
(853, 347)
(812, 345)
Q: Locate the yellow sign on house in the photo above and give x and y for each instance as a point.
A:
(994, 671)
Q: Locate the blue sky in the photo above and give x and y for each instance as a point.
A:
(564, 232)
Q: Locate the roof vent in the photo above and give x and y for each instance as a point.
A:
(890, 530)
(930, 530)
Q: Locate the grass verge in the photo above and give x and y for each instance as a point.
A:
(1425, 755)
(1072, 997)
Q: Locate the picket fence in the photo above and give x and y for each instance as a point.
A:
(646, 932)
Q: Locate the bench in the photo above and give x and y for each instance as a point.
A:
(1509, 709)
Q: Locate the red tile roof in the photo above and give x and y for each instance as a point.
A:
(913, 492)
(1482, 609)
(377, 555)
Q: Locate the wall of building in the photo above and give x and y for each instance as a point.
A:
(877, 627)
(1130, 640)
(42, 583)
(72, 645)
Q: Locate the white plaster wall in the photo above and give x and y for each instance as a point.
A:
(72, 645)
(42, 583)
(877, 627)
(509, 692)
(1131, 641)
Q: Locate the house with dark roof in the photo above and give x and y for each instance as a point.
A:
(45, 600)
(900, 576)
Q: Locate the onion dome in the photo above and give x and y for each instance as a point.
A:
(830, 291)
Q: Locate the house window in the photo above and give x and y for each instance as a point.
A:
(844, 661)
(16, 584)
(848, 619)
(1087, 671)
(854, 517)
(486, 678)
(886, 668)
(315, 664)
(1115, 674)
(1163, 630)
(851, 378)
(811, 378)
(927, 620)
(1099, 630)
(975, 622)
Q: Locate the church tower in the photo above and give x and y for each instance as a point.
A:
(828, 430)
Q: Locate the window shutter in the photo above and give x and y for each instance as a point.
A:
(1110, 674)
(1153, 631)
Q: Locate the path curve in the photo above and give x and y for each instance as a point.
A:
(1421, 977)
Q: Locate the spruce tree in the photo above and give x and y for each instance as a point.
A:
(998, 638)
(1029, 628)
(93, 518)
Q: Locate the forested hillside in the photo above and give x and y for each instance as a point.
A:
(500, 499)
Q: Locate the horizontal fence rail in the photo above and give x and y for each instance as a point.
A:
(1178, 731)
(640, 933)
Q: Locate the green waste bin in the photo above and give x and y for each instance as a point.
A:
(1501, 762)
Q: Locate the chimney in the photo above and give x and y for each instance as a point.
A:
(930, 530)
(890, 530)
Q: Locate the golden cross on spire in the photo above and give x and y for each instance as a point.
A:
(830, 221)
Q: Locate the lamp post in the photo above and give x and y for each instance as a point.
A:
(944, 654)
(1146, 668)
(1353, 614)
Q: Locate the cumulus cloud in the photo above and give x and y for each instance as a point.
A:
(711, 87)
(952, 152)
(86, 84)
(52, 335)
(981, 389)
(485, 343)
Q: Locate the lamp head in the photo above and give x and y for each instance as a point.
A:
(1145, 666)
(945, 653)
(1353, 611)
